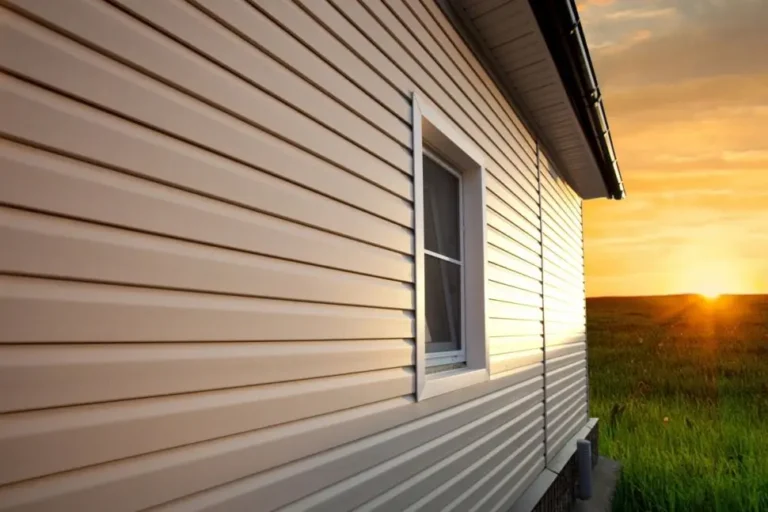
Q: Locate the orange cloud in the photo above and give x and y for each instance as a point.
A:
(641, 14)
(641, 35)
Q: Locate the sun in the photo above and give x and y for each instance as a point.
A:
(710, 292)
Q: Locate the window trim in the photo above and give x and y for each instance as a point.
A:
(435, 135)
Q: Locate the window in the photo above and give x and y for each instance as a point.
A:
(450, 256)
(443, 250)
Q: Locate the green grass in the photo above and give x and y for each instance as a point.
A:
(703, 366)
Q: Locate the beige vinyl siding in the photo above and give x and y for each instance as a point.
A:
(564, 310)
(208, 207)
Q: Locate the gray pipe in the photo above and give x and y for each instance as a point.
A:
(584, 460)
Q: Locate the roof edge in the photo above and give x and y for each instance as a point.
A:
(561, 27)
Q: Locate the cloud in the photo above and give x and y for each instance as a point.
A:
(641, 35)
(717, 41)
(640, 14)
(583, 6)
(751, 155)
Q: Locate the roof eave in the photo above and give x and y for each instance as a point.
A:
(560, 25)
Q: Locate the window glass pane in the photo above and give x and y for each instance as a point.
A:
(441, 210)
(443, 304)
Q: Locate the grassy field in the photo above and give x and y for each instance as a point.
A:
(680, 385)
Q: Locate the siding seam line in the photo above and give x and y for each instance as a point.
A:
(543, 301)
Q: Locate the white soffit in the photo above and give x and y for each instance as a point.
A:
(512, 43)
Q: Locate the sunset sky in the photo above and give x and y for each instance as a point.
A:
(685, 86)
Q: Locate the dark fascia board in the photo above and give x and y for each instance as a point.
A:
(561, 28)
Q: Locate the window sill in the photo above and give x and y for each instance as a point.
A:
(452, 380)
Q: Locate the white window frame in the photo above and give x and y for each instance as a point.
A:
(437, 137)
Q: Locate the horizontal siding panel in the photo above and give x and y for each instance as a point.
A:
(453, 43)
(409, 73)
(562, 277)
(511, 195)
(564, 377)
(91, 252)
(507, 293)
(86, 435)
(575, 325)
(563, 232)
(513, 231)
(419, 23)
(505, 362)
(58, 375)
(559, 361)
(246, 60)
(503, 241)
(574, 314)
(571, 425)
(568, 262)
(505, 327)
(86, 74)
(513, 263)
(566, 199)
(510, 214)
(244, 56)
(560, 240)
(511, 453)
(565, 309)
(557, 221)
(411, 490)
(496, 482)
(131, 484)
(505, 345)
(399, 471)
(458, 42)
(560, 188)
(566, 286)
(315, 49)
(565, 329)
(340, 78)
(534, 369)
(286, 484)
(55, 184)
(557, 339)
(568, 305)
(564, 419)
(557, 267)
(560, 309)
(558, 404)
(426, 70)
(562, 350)
(564, 393)
(512, 488)
(45, 311)
(568, 215)
(501, 275)
(499, 309)
(572, 299)
(53, 121)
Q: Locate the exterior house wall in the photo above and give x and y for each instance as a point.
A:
(564, 310)
(206, 287)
